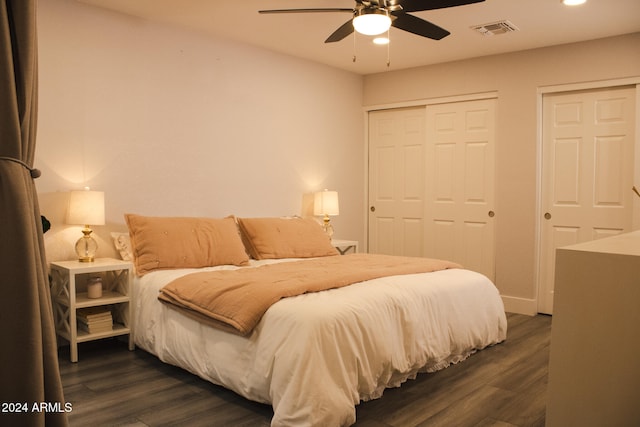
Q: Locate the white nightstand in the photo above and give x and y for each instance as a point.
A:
(67, 276)
(344, 246)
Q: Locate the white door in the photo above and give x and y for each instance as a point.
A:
(396, 181)
(459, 210)
(587, 172)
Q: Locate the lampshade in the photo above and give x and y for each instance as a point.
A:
(326, 203)
(371, 22)
(86, 208)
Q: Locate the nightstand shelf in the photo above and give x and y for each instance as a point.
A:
(118, 329)
(108, 297)
(68, 294)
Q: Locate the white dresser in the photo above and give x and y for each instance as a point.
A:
(594, 365)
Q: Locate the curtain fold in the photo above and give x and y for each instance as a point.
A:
(29, 372)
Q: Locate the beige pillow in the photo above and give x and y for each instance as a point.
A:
(271, 238)
(122, 242)
(175, 242)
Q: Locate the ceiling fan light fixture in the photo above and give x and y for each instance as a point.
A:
(573, 2)
(371, 22)
(381, 40)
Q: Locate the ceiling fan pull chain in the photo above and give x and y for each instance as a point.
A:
(354, 46)
(388, 47)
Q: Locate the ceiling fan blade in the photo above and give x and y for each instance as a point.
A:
(321, 10)
(342, 32)
(418, 26)
(420, 5)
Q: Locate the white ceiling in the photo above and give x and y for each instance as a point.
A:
(540, 23)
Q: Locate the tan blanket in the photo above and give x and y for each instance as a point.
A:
(235, 300)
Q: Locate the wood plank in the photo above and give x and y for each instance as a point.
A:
(504, 385)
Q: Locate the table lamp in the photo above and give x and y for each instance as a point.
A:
(86, 208)
(326, 203)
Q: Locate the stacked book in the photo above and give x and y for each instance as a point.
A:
(95, 319)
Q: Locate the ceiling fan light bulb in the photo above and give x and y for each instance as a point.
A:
(371, 23)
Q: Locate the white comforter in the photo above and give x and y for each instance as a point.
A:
(314, 357)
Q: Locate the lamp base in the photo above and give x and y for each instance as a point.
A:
(86, 246)
(328, 228)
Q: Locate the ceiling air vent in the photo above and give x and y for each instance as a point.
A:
(495, 28)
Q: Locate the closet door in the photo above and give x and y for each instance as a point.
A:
(396, 181)
(459, 211)
(431, 182)
(588, 142)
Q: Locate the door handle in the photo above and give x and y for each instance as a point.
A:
(491, 214)
(547, 215)
(372, 208)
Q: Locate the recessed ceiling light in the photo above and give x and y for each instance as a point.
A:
(381, 40)
(573, 2)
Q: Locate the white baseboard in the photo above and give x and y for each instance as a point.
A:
(520, 305)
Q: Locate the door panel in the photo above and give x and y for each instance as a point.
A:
(587, 173)
(396, 181)
(460, 184)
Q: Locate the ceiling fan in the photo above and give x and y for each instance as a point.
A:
(372, 17)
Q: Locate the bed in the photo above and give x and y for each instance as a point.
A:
(312, 356)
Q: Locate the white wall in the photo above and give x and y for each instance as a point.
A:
(170, 122)
(516, 77)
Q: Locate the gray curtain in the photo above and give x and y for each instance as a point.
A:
(29, 373)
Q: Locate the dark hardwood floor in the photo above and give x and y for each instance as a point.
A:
(504, 385)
